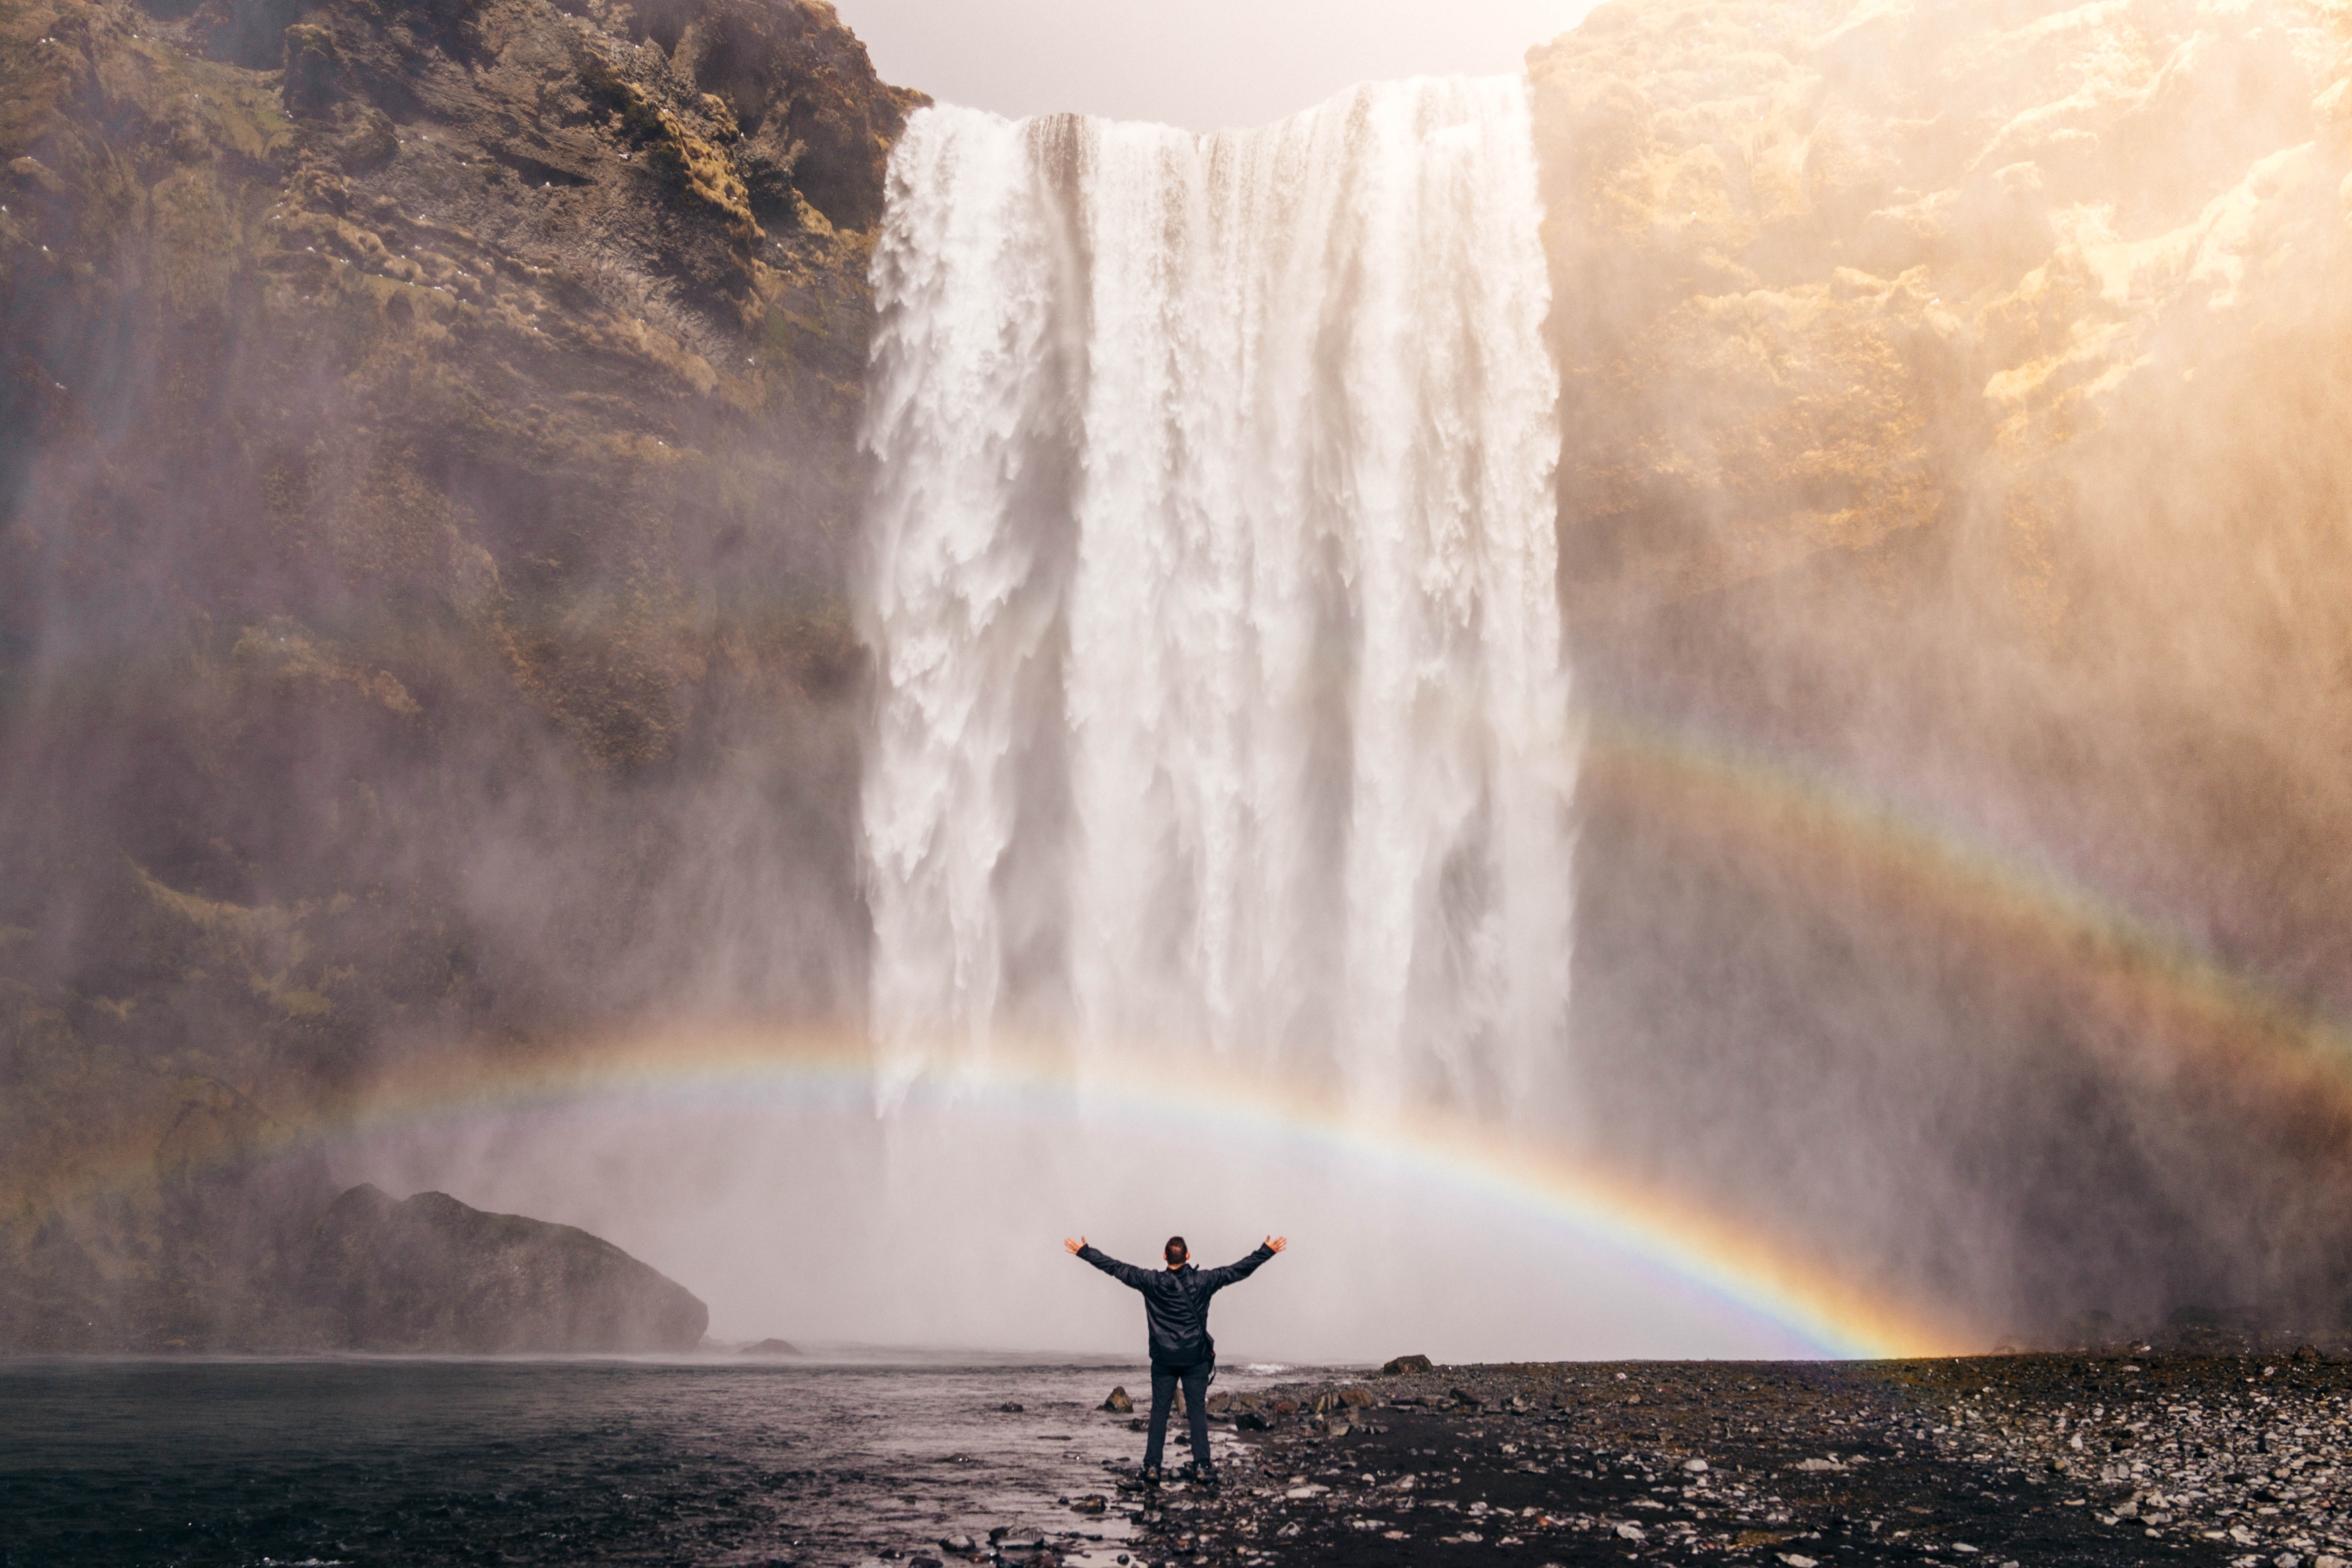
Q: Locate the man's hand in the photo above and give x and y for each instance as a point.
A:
(1076, 1246)
(1277, 1243)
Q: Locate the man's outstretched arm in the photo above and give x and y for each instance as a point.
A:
(1218, 1279)
(1125, 1274)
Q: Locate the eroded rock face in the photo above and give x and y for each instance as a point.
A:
(429, 479)
(1955, 511)
(2024, 318)
(196, 1248)
(234, 1239)
(428, 1273)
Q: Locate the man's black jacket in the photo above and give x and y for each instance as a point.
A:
(1176, 1301)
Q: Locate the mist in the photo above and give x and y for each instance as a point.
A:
(943, 1229)
(1972, 464)
(1890, 802)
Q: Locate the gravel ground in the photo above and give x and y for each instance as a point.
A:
(2025, 1459)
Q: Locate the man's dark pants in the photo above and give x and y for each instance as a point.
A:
(1196, 1379)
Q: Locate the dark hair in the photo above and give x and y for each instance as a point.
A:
(1175, 1252)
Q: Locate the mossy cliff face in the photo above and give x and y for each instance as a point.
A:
(1958, 403)
(2015, 332)
(428, 481)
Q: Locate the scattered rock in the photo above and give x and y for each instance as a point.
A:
(1404, 1365)
(1119, 1404)
(1950, 1455)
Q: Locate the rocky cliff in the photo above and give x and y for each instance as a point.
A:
(1954, 518)
(428, 474)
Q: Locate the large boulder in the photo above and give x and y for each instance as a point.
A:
(430, 1273)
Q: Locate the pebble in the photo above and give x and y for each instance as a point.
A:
(2003, 1459)
(1962, 1459)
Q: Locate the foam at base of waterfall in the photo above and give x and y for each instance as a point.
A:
(1213, 590)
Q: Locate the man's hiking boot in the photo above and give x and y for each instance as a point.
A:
(1152, 1474)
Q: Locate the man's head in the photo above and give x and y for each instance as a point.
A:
(1175, 1252)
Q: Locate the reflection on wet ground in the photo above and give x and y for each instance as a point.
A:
(368, 1461)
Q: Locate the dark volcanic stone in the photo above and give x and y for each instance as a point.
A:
(432, 1274)
(1915, 1461)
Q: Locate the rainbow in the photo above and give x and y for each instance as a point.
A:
(2185, 1011)
(1701, 1257)
(1724, 1265)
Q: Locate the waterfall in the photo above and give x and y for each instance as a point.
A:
(1222, 704)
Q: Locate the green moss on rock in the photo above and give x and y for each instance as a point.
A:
(418, 445)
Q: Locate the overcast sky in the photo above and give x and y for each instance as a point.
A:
(1202, 64)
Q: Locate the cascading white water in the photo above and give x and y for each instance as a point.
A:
(1222, 699)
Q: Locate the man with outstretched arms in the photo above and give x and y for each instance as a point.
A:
(1176, 1308)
